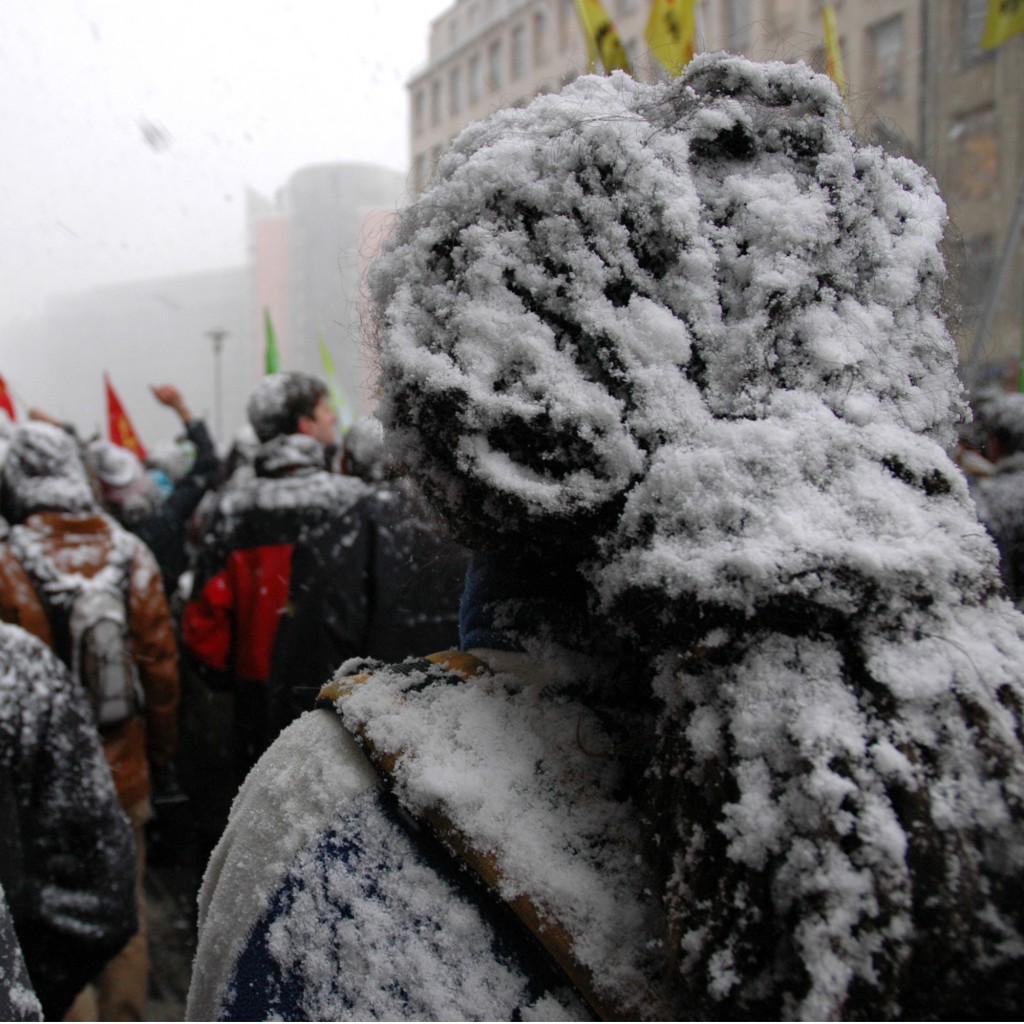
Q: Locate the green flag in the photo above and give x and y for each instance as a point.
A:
(337, 398)
(272, 360)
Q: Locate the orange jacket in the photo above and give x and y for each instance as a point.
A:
(82, 544)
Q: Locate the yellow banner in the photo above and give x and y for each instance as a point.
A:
(1005, 18)
(833, 55)
(602, 38)
(671, 29)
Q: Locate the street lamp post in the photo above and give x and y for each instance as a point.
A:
(218, 335)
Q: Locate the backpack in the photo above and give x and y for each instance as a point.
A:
(89, 620)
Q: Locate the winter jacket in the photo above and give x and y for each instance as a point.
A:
(82, 544)
(67, 861)
(334, 895)
(243, 575)
(18, 1000)
(163, 532)
(382, 581)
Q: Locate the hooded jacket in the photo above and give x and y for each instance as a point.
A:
(47, 498)
(82, 543)
(240, 590)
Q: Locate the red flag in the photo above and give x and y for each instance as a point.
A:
(119, 426)
(5, 401)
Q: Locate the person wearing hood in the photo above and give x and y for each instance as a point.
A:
(131, 493)
(59, 543)
(735, 732)
(243, 571)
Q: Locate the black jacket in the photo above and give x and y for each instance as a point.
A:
(67, 860)
(383, 582)
(164, 530)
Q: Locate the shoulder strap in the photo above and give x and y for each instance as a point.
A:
(550, 933)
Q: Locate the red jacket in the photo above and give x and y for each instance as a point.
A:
(243, 576)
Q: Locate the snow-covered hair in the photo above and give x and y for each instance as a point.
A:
(280, 399)
(691, 332)
(43, 472)
(364, 454)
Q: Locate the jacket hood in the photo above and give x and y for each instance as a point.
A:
(290, 455)
(43, 472)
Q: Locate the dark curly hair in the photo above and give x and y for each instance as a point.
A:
(280, 400)
(687, 338)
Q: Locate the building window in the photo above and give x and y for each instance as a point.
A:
(887, 57)
(419, 111)
(476, 78)
(975, 154)
(497, 80)
(436, 90)
(453, 30)
(541, 28)
(454, 91)
(737, 24)
(518, 61)
(974, 13)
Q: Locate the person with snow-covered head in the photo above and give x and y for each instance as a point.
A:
(60, 546)
(292, 403)
(243, 573)
(735, 732)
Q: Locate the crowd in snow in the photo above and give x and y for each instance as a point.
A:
(707, 702)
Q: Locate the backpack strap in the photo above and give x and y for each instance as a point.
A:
(69, 597)
(553, 937)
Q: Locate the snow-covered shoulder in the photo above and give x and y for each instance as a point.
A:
(304, 781)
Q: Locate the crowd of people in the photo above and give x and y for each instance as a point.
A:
(199, 578)
(706, 702)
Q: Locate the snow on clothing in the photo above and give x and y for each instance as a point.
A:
(66, 859)
(82, 544)
(18, 1000)
(689, 337)
(322, 903)
(382, 581)
(243, 573)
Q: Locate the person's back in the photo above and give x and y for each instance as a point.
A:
(382, 581)
(66, 857)
(241, 582)
(736, 731)
(59, 546)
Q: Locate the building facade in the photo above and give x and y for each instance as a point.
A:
(309, 248)
(918, 83)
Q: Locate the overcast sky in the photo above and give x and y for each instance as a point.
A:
(131, 129)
